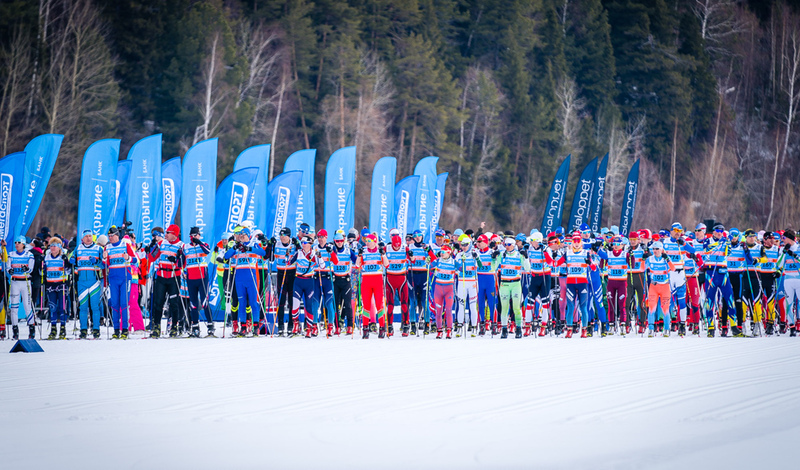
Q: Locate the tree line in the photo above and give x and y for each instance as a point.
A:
(704, 92)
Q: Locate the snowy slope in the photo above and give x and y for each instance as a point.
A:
(296, 403)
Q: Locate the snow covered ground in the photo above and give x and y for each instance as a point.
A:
(403, 403)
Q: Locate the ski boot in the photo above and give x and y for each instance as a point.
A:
(63, 332)
(373, 327)
(235, 328)
(569, 333)
(155, 334)
(710, 332)
(31, 331)
(83, 334)
(543, 330)
(682, 329)
(696, 329)
(427, 329)
(666, 332)
(115, 335)
(405, 330)
(584, 333)
(559, 328)
(364, 333)
(737, 332)
(589, 331)
(256, 329)
(391, 330)
(124, 334)
(792, 331)
(641, 329)
(295, 329)
(314, 330)
(782, 328)
(439, 333)
(604, 330)
(512, 325)
(349, 331)
(337, 330)
(195, 331)
(309, 331)
(527, 330)
(504, 334)
(53, 332)
(329, 331)
(650, 333)
(173, 332)
(724, 332)
(281, 331)
(382, 332)
(96, 333)
(210, 330)
(770, 329)
(2, 332)
(627, 328)
(414, 329)
(518, 332)
(449, 333)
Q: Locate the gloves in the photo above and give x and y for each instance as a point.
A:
(382, 249)
(524, 252)
(495, 254)
(271, 241)
(475, 255)
(231, 244)
(492, 245)
(220, 260)
(664, 256)
(172, 259)
(296, 243)
(243, 248)
(328, 248)
(262, 238)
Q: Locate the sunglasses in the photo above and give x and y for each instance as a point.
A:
(508, 244)
(305, 243)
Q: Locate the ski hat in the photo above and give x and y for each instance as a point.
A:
(663, 233)
(734, 233)
(719, 228)
(226, 235)
(645, 233)
(509, 241)
(394, 232)
(248, 224)
(677, 226)
(397, 239)
(306, 239)
(749, 233)
(322, 233)
(789, 233)
(20, 239)
(700, 226)
(305, 228)
(157, 232)
(464, 239)
(617, 241)
(483, 239)
(559, 230)
(614, 229)
(521, 237)
(458, 232)
(370, 236)
(113, 230)
(364, 232)
(338, 236)
(603, 230)
(439, 233)
(102, 240)
(536, 237)
(534, 231)
(576, 239)
(584, 228)
(551, 238)
(285, 232)
(86, 232)
(257, 233)
(657, 245)
(174, 229)
(447, 248)
(56, 241)
(194, 231)
(416, 233)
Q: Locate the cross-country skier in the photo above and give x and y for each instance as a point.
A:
(768, 271)
(324, 251)
(166, 252)
(372, 262)
(396, 286)
(244, 257)
(578, 262)
(56, 278)
(342, 283)
(443, 273)
(659, 266)
(87, 262)
(789, 264)
(511, 266)
(281, 252)
(117, 256)
(306, 263)
(196, 252)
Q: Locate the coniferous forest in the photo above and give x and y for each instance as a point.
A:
(703, 92)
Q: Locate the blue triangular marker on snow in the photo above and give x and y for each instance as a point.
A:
(26, 346)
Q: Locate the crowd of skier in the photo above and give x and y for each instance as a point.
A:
(463, 283)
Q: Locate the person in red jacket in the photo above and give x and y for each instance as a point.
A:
(372, 262)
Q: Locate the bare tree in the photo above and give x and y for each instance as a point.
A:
(15, 66)
(720, 21)
(214, 93)
(570, 112)
(625, 146)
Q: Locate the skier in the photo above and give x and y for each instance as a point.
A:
(751, 282)
(736, 270)
(768, 271)
(19, 265)
(86, 261)
(117, 256)
(443, 271)
(372, 262)
(324, 251)
(539, 287)
(56, 268)
(281, 252)
(487, 290)
(419, 273)
(342, 284)
(617, 262)
(306, 264)
(166, 252)
(578, 263)
(396, 286)
(244, 257)
(719, 285)
(675, 247)
(659, 266)
(789, 264)
(511, 266)
(467, 264)
(197, 282)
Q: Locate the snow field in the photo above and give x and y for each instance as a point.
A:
(403, 403)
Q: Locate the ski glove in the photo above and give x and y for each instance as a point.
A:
(172, 259)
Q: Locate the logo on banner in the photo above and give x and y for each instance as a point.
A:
(402, 212)
(169, 199)
(97, 209)
(554, 206)
(281, 208)
(630, 204)
(583, 201)
(601, 184)
(6, 190)
(213, 291)
(237, 206)
(437, 209)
